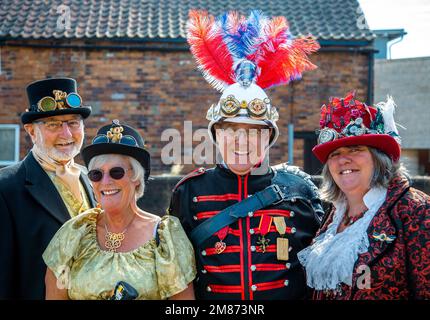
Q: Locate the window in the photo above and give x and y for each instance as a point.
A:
(9, 142)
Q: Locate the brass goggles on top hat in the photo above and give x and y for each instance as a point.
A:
(61, 100)
(257, 109)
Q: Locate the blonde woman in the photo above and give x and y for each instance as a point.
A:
(118, 245)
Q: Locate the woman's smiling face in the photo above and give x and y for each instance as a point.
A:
(352, 169)
(115, 194)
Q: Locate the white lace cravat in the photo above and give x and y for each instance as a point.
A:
(330, 260)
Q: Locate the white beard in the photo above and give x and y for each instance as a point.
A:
(52, 152)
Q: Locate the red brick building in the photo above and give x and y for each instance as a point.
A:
(132, 62)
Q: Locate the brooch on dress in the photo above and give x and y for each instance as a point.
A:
(383, 237)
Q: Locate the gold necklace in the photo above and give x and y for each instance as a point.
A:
(114, 240)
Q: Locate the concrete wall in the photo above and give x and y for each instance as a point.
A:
(408, 81)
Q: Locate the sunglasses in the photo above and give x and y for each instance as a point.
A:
(116, 173)
(127, 140)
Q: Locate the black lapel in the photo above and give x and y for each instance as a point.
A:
(40, 186)
(88, 189)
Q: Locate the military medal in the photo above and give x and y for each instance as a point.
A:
(264, 227)
(221, 245)
(281, 243)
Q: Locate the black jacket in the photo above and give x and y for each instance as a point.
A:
(31, 212)
(242, 270)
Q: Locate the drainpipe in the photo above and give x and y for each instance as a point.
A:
(370, 77)
(291, 128)
(290, 143)
(393, 43)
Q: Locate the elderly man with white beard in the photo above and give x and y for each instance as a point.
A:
(45, 189)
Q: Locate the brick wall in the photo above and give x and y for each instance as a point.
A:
(156, 90)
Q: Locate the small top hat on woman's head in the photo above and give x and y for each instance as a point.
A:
(347, 122)
(120, 139)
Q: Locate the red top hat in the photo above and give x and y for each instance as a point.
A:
(348, 122)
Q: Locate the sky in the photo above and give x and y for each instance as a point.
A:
(411, 15)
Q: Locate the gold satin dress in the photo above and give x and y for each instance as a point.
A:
(90, 273)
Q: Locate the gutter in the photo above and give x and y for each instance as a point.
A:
(95, 47)
(165, 44)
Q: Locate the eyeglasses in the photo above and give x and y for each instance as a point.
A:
(249, 133)
(127, 140)
(57, 125)
(62, 100)
(116, 173)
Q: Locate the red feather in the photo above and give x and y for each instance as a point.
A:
(274, 36)
(207, 46)
(281, 59)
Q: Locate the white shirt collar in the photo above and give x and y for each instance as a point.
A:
(374, 197)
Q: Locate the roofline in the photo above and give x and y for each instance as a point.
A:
(391, 34)
(393, 31)
(163, 45)
(175, 48)
(345, 43)
(322, 42)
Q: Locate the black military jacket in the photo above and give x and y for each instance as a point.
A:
(232, 264)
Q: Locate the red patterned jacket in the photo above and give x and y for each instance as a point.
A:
(399, 268)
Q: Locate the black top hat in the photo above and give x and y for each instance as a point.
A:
(117, 138)
(53, 97)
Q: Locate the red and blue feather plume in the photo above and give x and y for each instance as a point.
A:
(232, 47)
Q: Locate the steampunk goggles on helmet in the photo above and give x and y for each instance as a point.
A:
(257, 109)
